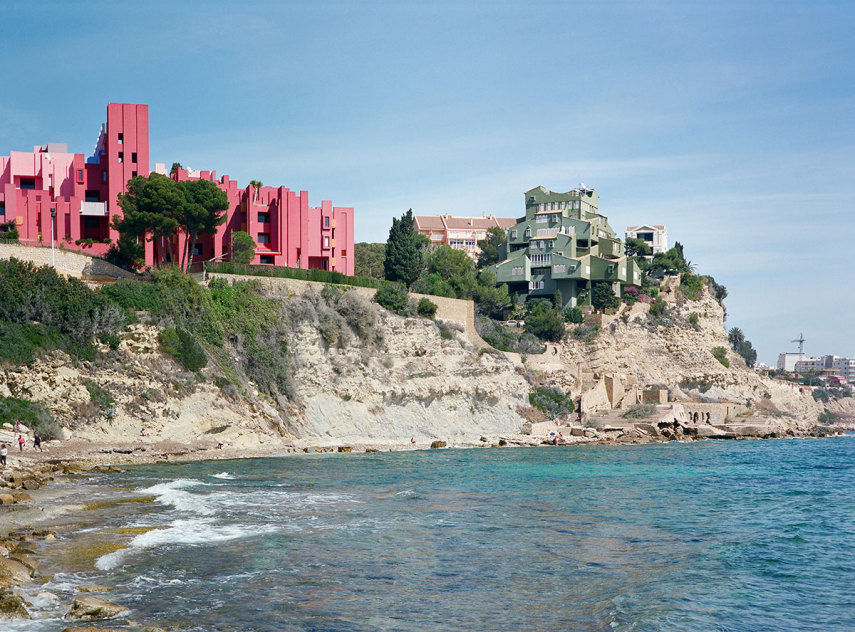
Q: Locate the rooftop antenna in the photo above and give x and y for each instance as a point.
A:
(801, 341)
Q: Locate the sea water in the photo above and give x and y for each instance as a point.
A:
(749, 535)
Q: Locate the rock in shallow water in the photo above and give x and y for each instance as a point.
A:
(90, 608)
(13, 607)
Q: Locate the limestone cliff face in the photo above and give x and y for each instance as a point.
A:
(415, 384)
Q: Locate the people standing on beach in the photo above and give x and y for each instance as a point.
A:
(3, 452)
(21, 443)
(17, 425)
(37, 442)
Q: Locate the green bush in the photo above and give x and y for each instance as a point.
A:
(181, 345)
(603, 297)
(691, 286)
(586, 333)
(99, 396)
(639, 411)
(9, 232)
(34, 415)
(658, 309)
(693, 321)
(542, 320)
(826, 417)
(552, 401)
(392, 296)
(573, 315)
(323, 276)
(426, 308)
(512, 339)
(19, 343)
(720, 354)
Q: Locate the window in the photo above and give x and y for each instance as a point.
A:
(326, 242)
(517, 271)
(80, 176)
(344, 253)
(91, 222)
(514, 234)
(540, 206)
(535, 285)
(263, 238)
(541, 260)
(133, 174)
(121, 156)
(28, 183)
(263, 218)
(266, 259)
(92, 195)
(326, 221)
(542, 219)
(134, 157)
(197, 249)
(121, 138)
(103, 176)
(559, 268)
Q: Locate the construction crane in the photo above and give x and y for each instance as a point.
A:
(801, 341)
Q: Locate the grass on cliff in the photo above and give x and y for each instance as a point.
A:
(33, 415)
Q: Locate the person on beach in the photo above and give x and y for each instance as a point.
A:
(21, 443)
(143, 433)
(3, 452)
(37, 442)
(17, 425)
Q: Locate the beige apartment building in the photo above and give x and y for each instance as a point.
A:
(461, 233)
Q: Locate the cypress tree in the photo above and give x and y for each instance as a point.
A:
(403, 251)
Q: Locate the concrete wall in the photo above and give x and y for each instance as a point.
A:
(67, 263)
(451, 309)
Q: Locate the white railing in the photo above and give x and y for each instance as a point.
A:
(98, 209)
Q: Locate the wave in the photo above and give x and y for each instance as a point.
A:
(223, 476)
(173, 493)
(186, 532)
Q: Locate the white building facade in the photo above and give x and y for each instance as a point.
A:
(655, 236)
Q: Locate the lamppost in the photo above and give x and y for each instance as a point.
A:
(52, 219)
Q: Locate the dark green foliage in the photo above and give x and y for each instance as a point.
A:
(826, 417)
(637, 247)
(552, 401)
(111, 340)
(19, 343)
(322, 276)
(426, 308)
(720, 354)
(99, 396)
(180, 344)
(543, 321)
(369, 259)
(671, 262)
(735, 337)
(691, 286)
(639, 411)
(718, 291)
(8, 232)
(403, 261)
(175, 167)
(658, 309)
(489, 254)
(490, 298)
(742, 346)
(827, 393)
(573, 315)
(392, 296)
(693, 321)
(603, 297)
(29, 294)
(586, 333)
(243, 247)
(333, 328)
(513, 339)
(33, 415)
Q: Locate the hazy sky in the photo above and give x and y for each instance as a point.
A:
(730, 122)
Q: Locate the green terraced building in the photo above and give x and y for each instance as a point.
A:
(564, 244)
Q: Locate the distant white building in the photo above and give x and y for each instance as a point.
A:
(654, 236)
(787, 361)
(829, 364)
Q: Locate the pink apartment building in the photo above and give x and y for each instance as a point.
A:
(82, 193)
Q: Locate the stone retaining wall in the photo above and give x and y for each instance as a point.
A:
(68, 263)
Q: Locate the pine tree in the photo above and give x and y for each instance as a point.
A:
(403, 251)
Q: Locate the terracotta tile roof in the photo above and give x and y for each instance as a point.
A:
(429, 222)
(452, 222)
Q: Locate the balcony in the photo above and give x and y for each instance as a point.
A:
(93, 209)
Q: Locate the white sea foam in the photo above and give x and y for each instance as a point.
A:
(223, 476)
(181, 532)
(173, 493)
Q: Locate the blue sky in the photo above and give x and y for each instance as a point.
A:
(730, 122)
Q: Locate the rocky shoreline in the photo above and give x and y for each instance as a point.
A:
(32, 506)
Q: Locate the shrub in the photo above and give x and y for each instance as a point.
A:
(9, 232)
(691, 286)
(507, 338)
(34, 415)
(658, 309)
(542, 320)
(826, 417)
(720, 354)
(639, 411)
(551, 401)
(333, 328)
(323, 276)
(243, 247)
(181, 345)
(603, 297)
(99, 396)
(586, 333)
(426, 308)
(573, 315)
(392, 296)
(693, 321)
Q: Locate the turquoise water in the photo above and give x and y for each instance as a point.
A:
(754, 535)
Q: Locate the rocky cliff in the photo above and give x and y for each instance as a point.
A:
(410, 379)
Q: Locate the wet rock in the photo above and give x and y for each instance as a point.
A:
(89, 628)
(13, 573)
(437, 444)
(502, 443)
(13, 607)
(25, 560)
(94, 588)
(22, 497)
(6, 499)
(90, 608)
(345, 448)
(30, 484)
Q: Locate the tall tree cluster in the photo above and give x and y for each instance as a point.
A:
(156, 208)
(403, 261)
